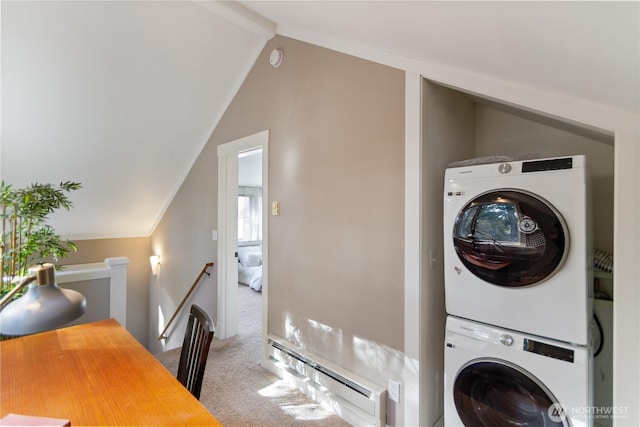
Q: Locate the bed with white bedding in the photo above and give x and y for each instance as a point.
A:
(250, 265)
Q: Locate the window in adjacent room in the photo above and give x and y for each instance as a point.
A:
(249, 213)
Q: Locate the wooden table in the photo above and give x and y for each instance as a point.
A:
(93, 374)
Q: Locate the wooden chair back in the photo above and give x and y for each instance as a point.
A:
(195, 349)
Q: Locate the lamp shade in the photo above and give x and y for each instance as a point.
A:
(44, 305)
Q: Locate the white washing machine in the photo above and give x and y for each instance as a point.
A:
(517, 243)
(497, 377)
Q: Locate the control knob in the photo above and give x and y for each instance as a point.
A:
(506, 340)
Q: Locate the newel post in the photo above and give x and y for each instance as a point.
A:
(118, 293)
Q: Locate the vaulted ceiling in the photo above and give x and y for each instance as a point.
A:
(122, 96)
(584, 49)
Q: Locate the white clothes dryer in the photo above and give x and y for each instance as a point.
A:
(517, 245)
(497, 378)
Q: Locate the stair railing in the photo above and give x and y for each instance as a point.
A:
(208, 265)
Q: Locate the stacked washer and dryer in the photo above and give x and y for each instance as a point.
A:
(517, 241)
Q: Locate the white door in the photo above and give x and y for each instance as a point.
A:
(227, 322)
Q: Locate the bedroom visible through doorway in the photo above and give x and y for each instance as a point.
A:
(242, 233)
(250, 204)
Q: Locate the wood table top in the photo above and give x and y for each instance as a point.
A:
(93, 374)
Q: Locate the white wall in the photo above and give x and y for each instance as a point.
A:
(250, 170)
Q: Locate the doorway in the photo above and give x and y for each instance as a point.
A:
(229, 166)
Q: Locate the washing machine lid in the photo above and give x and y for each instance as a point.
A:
(510, 238)
(490, 392)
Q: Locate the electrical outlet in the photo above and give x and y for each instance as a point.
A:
(394, 391)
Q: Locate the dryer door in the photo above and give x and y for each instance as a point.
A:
(494, 393)
(510, 238)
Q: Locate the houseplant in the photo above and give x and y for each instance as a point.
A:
(26, 237)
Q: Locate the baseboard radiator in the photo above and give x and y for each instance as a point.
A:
(356, 400)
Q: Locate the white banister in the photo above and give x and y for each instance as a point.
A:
(115, 269)
(118, 299)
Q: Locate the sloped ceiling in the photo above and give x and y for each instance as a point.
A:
(122, 96)
(588, 50)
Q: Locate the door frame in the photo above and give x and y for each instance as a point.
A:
(227, 307)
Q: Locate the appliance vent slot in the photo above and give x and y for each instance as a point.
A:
(548, 350)
(547, 165)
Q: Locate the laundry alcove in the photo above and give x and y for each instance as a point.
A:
(456, 126)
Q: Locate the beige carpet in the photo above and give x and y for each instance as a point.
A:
(239, 392)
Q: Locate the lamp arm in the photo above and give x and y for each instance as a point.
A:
(7, 298)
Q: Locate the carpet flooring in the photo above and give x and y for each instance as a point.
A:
(239, 392)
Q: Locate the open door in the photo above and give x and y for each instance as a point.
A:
(227, 321)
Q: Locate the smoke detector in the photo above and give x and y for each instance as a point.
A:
(275, 59)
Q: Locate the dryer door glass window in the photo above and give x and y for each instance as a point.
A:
(491, 393)
(510, 238)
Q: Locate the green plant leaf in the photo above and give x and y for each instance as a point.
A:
(26, 238)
